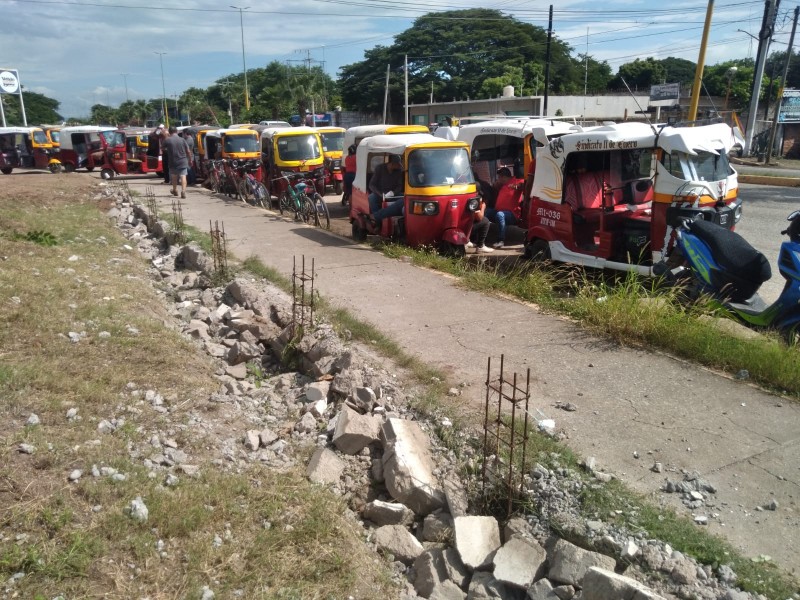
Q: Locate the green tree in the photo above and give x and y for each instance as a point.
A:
(678, 70)
(455, 52)
(101, 114)
(38, 109)
(639, 74)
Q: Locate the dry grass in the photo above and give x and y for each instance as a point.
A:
(281, 536)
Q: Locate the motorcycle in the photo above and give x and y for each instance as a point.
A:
(722, 264)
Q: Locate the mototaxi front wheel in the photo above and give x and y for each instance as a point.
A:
(54, 167)
(538, 251)
(359, 233)
(107, 174)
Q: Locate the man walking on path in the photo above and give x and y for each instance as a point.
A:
(178, 153)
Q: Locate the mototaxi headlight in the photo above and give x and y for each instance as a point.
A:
(473, 204)
(235, 163)
(431, 208)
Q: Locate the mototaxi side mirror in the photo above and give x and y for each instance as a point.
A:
(793, 231)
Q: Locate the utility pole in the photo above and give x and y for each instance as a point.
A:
(244, 64)
(701, 62)
(547, 60)
(163, 88)
(764, 38)
(405, 72)
(125, 79)
(780, 91)
(386, 94)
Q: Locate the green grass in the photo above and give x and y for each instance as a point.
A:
(631, 310)
(50, 530)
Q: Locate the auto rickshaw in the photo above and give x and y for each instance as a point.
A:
(91, 146)
(237, 150)
(294, 150)
(611, 197)
(199, 132)
(509, 142)
(136, 143)
(354, 135)
(53, 133)
(27, 148)
(440, 192)
(332, 146)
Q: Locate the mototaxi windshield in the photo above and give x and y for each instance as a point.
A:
(702, 166)
(439, 166)
(241, 143)
(299, 147)
(333, 141)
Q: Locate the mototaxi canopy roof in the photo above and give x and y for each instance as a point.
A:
(270, 132)
(93, 130)
(354, 135)
(542, 129)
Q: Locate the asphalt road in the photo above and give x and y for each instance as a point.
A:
(633, 407)
(765, 209)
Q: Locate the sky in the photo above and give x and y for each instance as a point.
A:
(86, 52)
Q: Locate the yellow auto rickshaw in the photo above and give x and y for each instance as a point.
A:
(291, 150)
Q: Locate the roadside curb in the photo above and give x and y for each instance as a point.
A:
(769, 180)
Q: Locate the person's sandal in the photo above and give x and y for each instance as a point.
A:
(173, 192)
(183, 195)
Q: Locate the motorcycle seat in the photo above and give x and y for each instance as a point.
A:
(734, 254)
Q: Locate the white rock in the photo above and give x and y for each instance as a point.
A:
(33, 419)
(75, 475)
(137, 510)
(26, 449)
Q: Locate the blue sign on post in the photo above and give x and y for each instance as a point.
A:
(790, 106)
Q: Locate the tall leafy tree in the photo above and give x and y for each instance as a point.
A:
(639, 74)
(454, 53)
(38, 108)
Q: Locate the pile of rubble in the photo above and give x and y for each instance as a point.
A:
(400, 482)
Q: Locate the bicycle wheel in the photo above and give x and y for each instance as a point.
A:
(243, 190)
(308, 211)
(322, 218)
(285, 203)
(261, 195)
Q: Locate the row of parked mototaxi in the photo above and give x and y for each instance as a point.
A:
(607, 196)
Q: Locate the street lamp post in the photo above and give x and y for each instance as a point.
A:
(125, 79)
(163, 88)
(731, 73)
(244, 64)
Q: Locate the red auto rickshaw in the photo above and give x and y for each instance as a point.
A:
(90, 147)
(136, 142)
(332, 146)
(612, 196)
(27, 148)
(440, 191)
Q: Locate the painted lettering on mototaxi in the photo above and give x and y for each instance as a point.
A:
(606, 145)
(548, 217)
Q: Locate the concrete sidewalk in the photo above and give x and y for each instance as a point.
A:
(743, 440)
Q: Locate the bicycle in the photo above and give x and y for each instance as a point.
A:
(247, 186)
(295, 199)
(321, 214)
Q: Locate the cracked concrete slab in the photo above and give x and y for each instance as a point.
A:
(627, 400)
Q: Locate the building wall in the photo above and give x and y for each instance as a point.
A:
(595, 108)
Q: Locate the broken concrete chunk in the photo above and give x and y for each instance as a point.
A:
(354, 431)
(398, 541)
(570, 563)
(325, 467)
(518, 561)
(476, 539)
(388, 513)
(408, 467)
